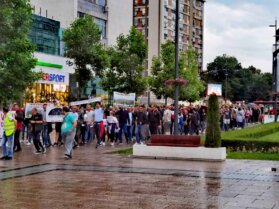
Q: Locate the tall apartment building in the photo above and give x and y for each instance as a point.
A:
(156, 20)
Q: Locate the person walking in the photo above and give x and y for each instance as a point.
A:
(112, 126)
(130, 124)
(36, 121)
(89, 118)
(123, 116)
(167, 120)
(154, 119)
(8, 135)
(98, 123)
(141, 118)
(68, 131)
(46, 129)
(19, 117)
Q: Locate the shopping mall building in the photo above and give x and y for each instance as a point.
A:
(50, 18)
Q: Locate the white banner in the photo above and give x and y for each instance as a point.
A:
(54, 114)
(30, 106)
(121, 99)
(87, 101)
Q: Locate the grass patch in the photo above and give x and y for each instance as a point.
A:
(252, 156)
(259, 138)
(255, 133)
(271, 137)
(128, 151)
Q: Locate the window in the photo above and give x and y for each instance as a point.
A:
(101, 2)
(45, 35)
(102, 26)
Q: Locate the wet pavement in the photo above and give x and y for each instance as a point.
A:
(96, 179)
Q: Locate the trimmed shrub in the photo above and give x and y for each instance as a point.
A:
(251, 146)
(260, 138)
(213, 132)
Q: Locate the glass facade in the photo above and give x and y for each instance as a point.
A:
(46, 35)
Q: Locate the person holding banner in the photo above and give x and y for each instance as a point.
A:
(36, 121)
(8, 135)
(47, 128)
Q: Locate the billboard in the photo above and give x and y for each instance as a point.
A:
(214, 89)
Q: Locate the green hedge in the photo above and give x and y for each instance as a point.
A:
(260, 138)
(253, 133)
(251, 146)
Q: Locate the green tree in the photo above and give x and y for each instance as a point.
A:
(213, 132)
(83, 45)
(247, 84)
(189, 68)
(16, 50)
(163, 69)
(127, 60)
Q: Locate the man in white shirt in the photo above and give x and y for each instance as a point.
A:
(89, 119)
(167, 120)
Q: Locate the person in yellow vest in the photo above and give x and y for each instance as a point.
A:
(8, 135)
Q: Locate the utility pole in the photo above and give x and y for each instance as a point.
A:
(274, 70)
(176, 91)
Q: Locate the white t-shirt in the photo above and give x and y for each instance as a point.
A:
(112, 119)
(89, 116)
(167, 115)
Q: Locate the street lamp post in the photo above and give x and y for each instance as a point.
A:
(274, 70)
(176, 91)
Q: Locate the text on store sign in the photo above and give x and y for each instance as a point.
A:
(53, 77)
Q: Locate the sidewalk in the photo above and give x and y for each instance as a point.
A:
(96, 179)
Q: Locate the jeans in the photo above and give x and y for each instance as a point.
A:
(139, 131)
(167, 126)
(181, 128)
(45, 135)
(123, 126)
(29, 133)
(89, 133)
(202, 126)
(37, 141)
(69, 139)
(8, 150)
(97, 132)
(130, 130)
(16, 140)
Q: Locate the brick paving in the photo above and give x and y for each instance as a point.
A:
(96, 179)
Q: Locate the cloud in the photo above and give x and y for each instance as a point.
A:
(240, 30)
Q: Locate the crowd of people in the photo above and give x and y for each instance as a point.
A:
(112, 126)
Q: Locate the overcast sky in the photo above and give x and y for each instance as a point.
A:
(240, 28)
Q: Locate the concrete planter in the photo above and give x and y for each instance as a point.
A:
(189, 153)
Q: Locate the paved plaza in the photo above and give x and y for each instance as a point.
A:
(94, 178)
